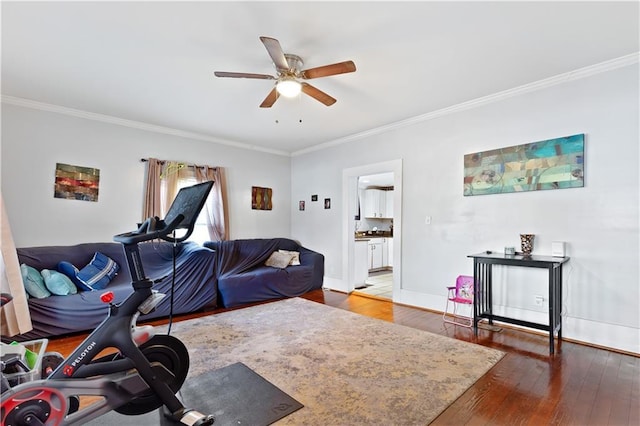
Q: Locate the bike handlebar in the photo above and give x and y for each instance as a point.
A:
(151, 229)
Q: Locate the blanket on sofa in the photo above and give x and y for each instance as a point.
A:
(237, 256)
(58, 315)
(242, 276)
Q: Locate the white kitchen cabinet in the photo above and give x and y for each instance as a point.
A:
(375, 253)
(380, 253)
(385, 252)
(388, 209)
(378, 204)
(372, 203)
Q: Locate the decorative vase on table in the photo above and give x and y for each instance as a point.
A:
(526, 242)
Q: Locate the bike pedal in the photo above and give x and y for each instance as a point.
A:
(195, 418)
(205, 421)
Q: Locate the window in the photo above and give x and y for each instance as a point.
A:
(163, 181)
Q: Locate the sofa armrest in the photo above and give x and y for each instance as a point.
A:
(316, 261)
(47, 257)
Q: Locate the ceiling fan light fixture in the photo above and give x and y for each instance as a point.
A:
(289, 88)
(288, 73)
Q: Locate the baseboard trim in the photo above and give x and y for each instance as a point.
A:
(611, 337)
(573, 328)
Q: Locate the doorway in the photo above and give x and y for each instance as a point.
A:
(373, 276)
(365, 232)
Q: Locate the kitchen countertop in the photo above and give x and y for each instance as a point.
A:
(361, 236)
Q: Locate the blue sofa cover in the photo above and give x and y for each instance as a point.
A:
(242, 276)
(58, 315)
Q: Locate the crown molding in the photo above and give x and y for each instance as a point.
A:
(42, 106)
(580, 73)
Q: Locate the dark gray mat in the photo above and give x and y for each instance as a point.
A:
(235, 395)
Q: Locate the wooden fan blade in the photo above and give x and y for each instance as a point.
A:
(271, 99)
(318, 94)
(243, 75)
(333, 69)
(276, 53)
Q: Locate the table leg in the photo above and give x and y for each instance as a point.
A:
(553, 308)
(489, 285)
(559, 301)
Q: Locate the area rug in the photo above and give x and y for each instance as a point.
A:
(345, 368)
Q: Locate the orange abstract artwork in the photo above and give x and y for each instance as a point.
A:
(261, 198)
(76, 183)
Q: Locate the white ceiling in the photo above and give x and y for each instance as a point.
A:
(153, 62)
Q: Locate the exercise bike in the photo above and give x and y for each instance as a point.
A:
(146, 372)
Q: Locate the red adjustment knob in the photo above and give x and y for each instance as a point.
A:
(107, 297)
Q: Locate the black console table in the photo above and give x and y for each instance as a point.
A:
(483, 303)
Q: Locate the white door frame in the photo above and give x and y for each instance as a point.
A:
(349, 196)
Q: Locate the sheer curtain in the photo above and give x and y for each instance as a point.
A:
(161, 186)
(152, 198)
(15, 315)
(215, 206)
(172, 174)
(164, 178)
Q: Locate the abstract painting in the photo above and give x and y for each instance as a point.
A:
(549, 164)
(76, 183)
(261, 198)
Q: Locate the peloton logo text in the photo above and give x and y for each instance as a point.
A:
(68, 369)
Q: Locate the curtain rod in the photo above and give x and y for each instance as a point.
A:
(144, 160)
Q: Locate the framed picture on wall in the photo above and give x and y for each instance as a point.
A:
(550, 164)
(261, 198)
(76, 182)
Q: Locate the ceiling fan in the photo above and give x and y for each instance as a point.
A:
(289, 70)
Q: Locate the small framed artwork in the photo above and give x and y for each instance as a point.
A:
(301, 205)
(327, 203)
(314, 197)
(261, 198)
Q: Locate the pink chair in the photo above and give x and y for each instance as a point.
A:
(460, 302)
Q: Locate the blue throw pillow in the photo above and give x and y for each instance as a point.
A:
(33, 282)
(58, 283)
(70, 271)
(98, 273)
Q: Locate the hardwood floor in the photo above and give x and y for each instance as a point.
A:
(579, 385)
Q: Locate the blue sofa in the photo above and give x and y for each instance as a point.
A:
(194, 290)
(242, 276)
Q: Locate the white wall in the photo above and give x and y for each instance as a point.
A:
(600, 222)
(33, 141)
